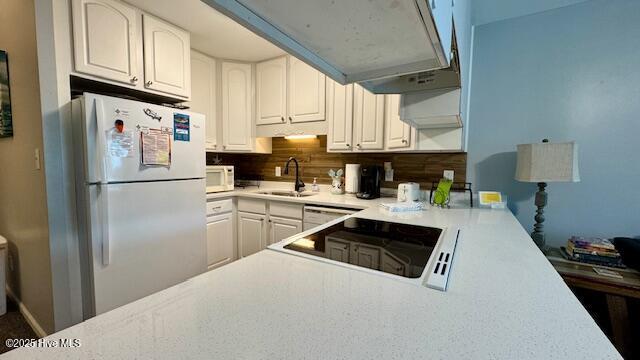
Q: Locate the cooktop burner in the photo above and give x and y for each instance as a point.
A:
(394, 248)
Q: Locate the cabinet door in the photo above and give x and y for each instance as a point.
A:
(365, 256)
(339, 116)
(203, 94)
(368, 118)
(337, 250)
(167, 61)
(252, 234)
(237, 125)
(271, 91)
(104, 39)
(282, 228)
(220, 244)
(306, 92)
(393, 265)
(397, 132)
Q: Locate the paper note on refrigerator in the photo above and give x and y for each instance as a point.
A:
(120, 143)
(155, 147)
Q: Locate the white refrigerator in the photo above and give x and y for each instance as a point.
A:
(141, 198)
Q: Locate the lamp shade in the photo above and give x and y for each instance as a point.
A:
(548, 162)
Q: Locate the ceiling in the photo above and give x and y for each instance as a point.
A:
(212, 33)
(486, 11)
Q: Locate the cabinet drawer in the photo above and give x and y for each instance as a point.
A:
(219, 207)
(285, 209)
(255, 206)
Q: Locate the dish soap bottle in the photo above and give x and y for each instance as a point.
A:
(314, 186)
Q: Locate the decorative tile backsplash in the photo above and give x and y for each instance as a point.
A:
(315, 161)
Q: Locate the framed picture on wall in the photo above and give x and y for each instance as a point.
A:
(6, 124)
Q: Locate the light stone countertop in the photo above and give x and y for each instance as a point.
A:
(504, 301)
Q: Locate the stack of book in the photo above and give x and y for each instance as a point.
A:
(595, 251)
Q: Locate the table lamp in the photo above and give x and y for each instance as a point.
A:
(542, 163)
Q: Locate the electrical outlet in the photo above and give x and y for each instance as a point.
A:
(278, 171)
(448, 174)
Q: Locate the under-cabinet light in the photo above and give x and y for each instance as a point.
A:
(299, 137)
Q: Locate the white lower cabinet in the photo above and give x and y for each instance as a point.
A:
(282, 228)
(220, 244)
(252, 233)
(337, 250)
(392, 265)
(365, 256)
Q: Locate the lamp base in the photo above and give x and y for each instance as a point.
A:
(538, 235)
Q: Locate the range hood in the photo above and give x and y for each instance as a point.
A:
(388, 46)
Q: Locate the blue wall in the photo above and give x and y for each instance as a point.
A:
(567, 74)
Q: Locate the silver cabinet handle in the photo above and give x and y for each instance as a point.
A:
(348, 145)
(290, 119)
(134, 79)
(282, 118)
(404, 141)
(148, 83)
(357, 145)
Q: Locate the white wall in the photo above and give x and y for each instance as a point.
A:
(565, 74)
(23, 203)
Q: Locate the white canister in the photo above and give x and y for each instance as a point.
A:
(408, 192)
(352, 178)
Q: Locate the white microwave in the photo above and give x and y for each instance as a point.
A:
(219, 178)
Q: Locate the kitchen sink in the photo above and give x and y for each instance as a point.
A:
(284, 193)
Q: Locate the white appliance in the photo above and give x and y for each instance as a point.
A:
(408, 192)
(352, 178)
(220, 249)
(219, 178)
(316, 215)
(403, 40)
(142, 227)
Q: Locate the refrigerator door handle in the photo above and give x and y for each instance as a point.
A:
(104, 222)
(102, 146)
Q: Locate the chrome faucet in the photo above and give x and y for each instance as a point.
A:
(298, 184)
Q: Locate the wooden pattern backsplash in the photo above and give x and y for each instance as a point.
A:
(315, 161)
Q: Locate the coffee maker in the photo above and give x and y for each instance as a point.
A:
(370, 181)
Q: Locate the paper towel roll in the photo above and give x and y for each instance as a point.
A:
(352, 178)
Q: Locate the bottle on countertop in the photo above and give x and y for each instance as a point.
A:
(314, 186)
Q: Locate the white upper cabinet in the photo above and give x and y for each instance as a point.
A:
(271, 91)
(105, 36)
(166, 57)
(237, 124)
(339, 116)
(368, 116)
(203, 94)
(306, 92)
(398, 133)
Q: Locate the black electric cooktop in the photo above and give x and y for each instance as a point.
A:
(394, 248)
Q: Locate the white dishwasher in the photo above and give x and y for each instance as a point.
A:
(319, 215)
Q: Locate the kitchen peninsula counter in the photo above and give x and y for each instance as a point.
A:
(504, 301)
